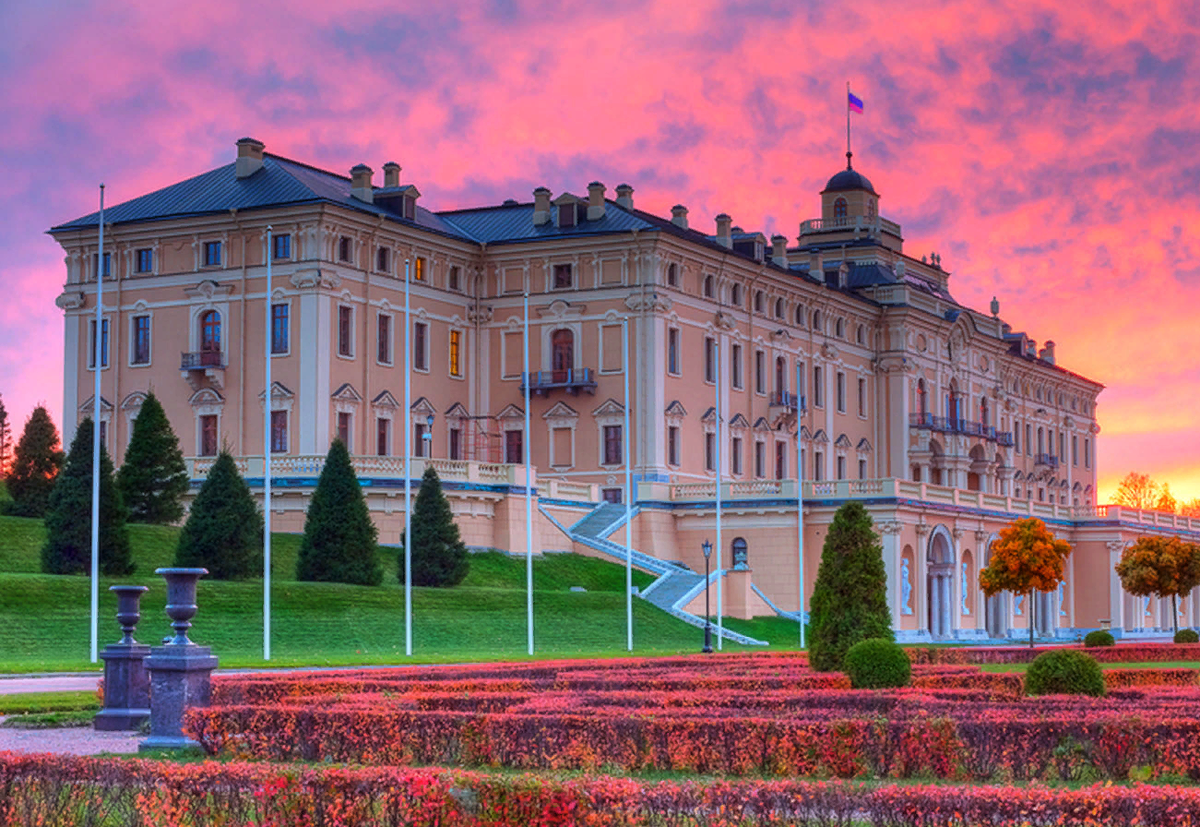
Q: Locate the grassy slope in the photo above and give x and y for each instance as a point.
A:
(47, 626)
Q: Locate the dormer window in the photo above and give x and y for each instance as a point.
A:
(410, 208)
(566, 215)
(839, 208)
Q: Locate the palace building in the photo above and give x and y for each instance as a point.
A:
(821, 368)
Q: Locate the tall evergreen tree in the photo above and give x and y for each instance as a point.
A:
(849, 601)
(153, 478)
(35, 465)
(340, 541)
(6, 445)
(68, 548)
(439, 557)
(224, 528)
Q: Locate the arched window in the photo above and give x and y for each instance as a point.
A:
(840, 328)
(860, 335)
(983, 411)
(740, 554)
(735, 295)
(779, 308)
(817, 321)
(673, 275)
(381, 260)
(871, 208)
(562, 346)
(839, 208)
(210, 337)
(922, 399)
(708, 287)
(758, 301)
(800, 315)
(780, 375)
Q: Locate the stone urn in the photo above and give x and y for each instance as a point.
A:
(181, 600)
(129, 609)
(126, 682)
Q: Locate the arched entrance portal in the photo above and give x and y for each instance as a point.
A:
(940, 585)
(996, 612)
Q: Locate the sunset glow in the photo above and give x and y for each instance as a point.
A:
(1047, 152)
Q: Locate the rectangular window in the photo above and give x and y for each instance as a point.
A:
(456, 443)
(735, 366)
(281, 246)
(383, 340)
(1074, 450)
(279, 328)
(710, 451)
(818, 387)
(208, 434)
(611, 495)
(710, 362)
(144, 260)
(420, 350)
(345, 331)
(514, 447)
(841, 393)
(212, 254)
(141, 340)
(735, 447)
(818, 465)
(760, 459)
(1087, 453)
(279, 432)
(760, 372)
(419, 270)
(780, 460)
(1016, 436)
(612, 445)
(453, 278)
(421, 439)
(344, 248)
(672, 445)
(383, 436)
(564, 277)
(673, 350)
(841, 468)
(456, 353)
(862, 469)
(103, 343)
(862, 397)
(107, 264)
(343, 428)
(1028, 439)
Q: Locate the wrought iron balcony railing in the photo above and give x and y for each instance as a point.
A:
(203, 360)
(955, 425)
(572, 380)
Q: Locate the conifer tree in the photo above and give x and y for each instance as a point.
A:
(5, 441)
(849, 601)
(439, 557)
(153, 478)
(224, 528)
(340, 541)
(68, 548)
(35, 465)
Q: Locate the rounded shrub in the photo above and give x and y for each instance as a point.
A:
(877, 663)
(1099, 637)
(1187, 636)
(1064, 672)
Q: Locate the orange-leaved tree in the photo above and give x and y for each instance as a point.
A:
(1025, 558)
(1162, 566)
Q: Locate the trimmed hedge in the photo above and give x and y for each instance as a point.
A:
(1064, 672)
(1100, 637)
(877, 664)
(1187, 636)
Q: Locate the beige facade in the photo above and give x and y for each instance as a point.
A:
(835, 344)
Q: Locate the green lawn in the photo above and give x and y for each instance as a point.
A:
(46, 617)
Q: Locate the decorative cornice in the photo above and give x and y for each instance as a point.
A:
(890, 527)
(315, 278)
(70, 300)
(208, 289)
(653, 301)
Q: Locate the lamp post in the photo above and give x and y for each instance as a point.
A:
(707, 547)
(428, 436)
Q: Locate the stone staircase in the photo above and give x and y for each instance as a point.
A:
(676, 585)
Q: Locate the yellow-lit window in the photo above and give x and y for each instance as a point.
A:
(455, 352)
(419, 270)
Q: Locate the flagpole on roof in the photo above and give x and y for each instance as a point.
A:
(97, 363)
(848, 124)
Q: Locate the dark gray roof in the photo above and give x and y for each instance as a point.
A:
(849, 179)
(514, 223)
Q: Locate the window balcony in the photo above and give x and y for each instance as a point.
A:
(572, 380)
(1048, 460)
(954, 425)
(202, 360)
(787, 401)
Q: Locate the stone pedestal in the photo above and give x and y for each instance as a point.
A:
(180, 671)
(126, 684)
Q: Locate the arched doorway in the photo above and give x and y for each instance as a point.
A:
(939, 585)
(996, 610)
(210, 338)
(562, 354)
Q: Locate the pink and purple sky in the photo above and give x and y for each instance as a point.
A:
(1050, 152)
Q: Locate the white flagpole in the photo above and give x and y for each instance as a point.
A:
(628, 496)
(719, 446)
(528, 492)
(408, 647)
(96, 438)
(800, 497)
(267, 340)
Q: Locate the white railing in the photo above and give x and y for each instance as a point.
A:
(369, 467)
(818, 225)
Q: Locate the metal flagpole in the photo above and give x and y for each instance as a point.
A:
(408, 650)
(528, 492)
(800, 496)
(720, 436)
(267, 342)
(628, 497)
(98, 361)
(847, 120)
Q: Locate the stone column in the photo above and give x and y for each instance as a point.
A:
(947, 606)
(890, 534)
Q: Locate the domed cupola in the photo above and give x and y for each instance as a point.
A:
(849, 195)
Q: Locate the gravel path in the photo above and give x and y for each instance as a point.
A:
(81, 740)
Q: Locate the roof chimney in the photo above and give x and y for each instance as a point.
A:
(625, 196)
(249, 157)
(724, 229)
(1046, 354)
(595, 201)
(360, 183)
(679, 216)
(779, 250)
(816, 264)
(391, 174)
(541, 206)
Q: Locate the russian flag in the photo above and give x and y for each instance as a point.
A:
(856, 104)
